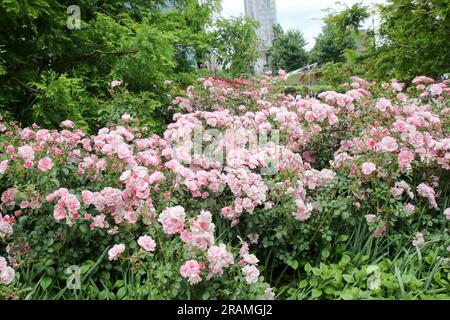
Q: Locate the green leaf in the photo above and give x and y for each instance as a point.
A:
(45, 282)
(86, 266)
(329, 290)
(302, 284)
(325, 253)
(316, 293)
(121, 293)
(103, 295)
(294, 264)
(316, 271)
(348, 278)
(308, 267)
(344, 260)
(93, 291)
(119, 283)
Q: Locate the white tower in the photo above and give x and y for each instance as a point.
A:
(265, 12)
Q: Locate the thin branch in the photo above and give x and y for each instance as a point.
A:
(111, 53)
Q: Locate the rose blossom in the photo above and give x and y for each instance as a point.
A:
(447, 213)
(250, 259)
(28, 164)
(26, 152)
(126, 117)
(5, 228)
(191, 271)
(2, 263)
(409, 208)
(7, 275)
(172, 220)
(388, 144)
(435, 89)
(66, 124)
(368, 167)
(218, 258)
(147, 243)
(87, 196)
(3, 166)
(418, 240)
(115, 251)
(405, 157)
(45, 164)
(115, 83)
(427, 192)
(251, 273)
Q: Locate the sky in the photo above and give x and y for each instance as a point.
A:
(304, 15)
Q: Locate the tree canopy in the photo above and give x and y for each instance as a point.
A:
(288, 49)
(414, 39)
(236, 44)
(50, 72)
(341, 32)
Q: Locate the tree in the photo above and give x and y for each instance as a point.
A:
(288, 49)
(341, 32)
(47, 68)
(236, 45)
(414, 40)
(331, 44)
(351, 17)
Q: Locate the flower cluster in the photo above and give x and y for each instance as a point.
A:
(6, 273)
(241, 157)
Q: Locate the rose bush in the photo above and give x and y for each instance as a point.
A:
(244, 187)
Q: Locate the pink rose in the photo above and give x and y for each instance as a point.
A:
(66, 124)
(59, 213)
(7, 275)
(155, 176)
(45, 164)
(123, 152)
(172, 220)
(28, 164)
(24, 204)
(251, 273)
(427, 192)
(115, 83)
(26, 152)
(402, 97)
(435, 89)
(88, 197)
(405, 157)
(447, 213)
(368, 168)
(418, 240)
(147, 243)
(115, 251)
(191, 271)
(387, 144)
(126, 117)
(3, 263)
(3, 166)
(383, 104)
(420, 87)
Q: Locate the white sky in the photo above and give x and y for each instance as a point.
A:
(304, 15)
